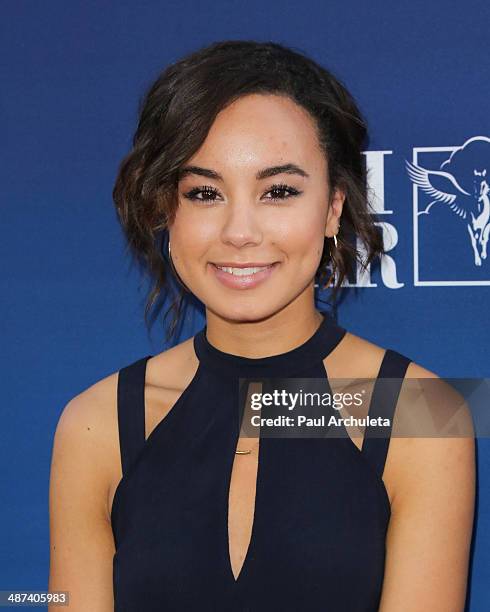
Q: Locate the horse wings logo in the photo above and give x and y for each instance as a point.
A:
(461, 185)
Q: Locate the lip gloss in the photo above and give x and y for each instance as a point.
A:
(248, 281)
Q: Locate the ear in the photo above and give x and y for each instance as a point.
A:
(334, 213)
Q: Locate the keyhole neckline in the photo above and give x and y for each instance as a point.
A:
(250, 550)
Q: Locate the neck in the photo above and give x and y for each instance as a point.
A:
(277, 333)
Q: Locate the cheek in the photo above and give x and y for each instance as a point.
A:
(191, 241)
(187, 232)
(300, 238)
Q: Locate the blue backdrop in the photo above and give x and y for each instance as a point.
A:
(72, 304)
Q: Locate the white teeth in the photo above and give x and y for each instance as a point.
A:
(242, 271)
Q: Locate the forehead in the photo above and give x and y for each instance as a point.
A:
(262, 128)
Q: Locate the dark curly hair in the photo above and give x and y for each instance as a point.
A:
(175, 116)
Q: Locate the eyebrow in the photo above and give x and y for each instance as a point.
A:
(261, 174)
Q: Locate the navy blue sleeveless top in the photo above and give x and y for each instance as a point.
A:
(321, 508)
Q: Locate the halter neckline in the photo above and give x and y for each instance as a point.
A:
(315, 349)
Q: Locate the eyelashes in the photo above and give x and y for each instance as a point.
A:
(212, 192)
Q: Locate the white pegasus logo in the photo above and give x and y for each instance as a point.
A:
(468, 197)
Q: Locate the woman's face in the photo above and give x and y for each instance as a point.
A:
(256, 194)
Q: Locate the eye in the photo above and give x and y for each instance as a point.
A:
(286, 191)
(207, 193)
(207, 190)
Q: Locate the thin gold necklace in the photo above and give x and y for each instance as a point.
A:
(247, 452)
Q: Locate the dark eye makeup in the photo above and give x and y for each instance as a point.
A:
(212, 192)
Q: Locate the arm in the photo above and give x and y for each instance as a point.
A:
(429, 536)
(81, 540)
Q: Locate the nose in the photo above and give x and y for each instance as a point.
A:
(241, 226)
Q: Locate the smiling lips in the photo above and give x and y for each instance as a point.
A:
(243, 276)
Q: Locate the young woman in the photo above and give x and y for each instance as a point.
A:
(246, 180)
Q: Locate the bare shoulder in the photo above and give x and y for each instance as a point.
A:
(355, 357)
(85, 468)
(81, 543)
(433, 441)
(173, 368)
(430, 479)
(86, 426)
(358, 357)
(89, 421)
(167, 375)
(425, 398)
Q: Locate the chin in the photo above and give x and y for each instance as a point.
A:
(244, 313)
